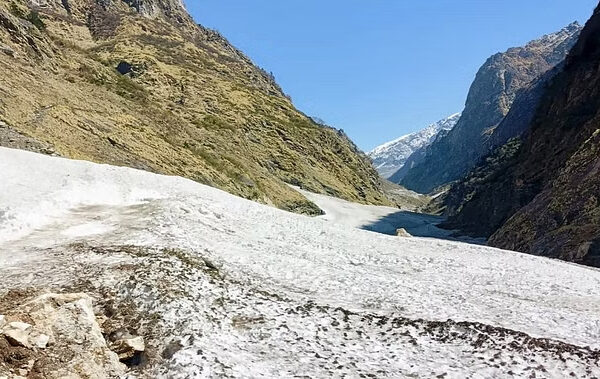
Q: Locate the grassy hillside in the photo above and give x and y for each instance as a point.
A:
(144, 86)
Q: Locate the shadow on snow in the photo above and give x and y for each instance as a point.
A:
(417, 224)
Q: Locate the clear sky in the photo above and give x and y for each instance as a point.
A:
(381, 68)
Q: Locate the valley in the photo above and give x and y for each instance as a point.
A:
(167, 210)
(384, 220)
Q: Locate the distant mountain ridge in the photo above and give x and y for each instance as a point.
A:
(496, 86)
(391, 156)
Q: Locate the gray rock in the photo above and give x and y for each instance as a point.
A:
(402, 233)
(39, 341)
(17, 333)
(128, 348)
(7, 50)
(66, 331)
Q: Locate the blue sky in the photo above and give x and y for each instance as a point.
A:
(381, 68)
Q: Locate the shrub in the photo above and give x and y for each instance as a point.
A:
(16, 11)
(32, 16)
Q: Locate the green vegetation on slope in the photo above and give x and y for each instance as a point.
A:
(146, 87)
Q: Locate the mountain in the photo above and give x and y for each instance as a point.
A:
(496, 85)
(391, 156)
(543, 197)
(110, 272)
(416, 157)
(503, 143)
(138, 83)
(522, 110)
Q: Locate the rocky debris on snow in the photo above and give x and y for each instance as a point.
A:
(40, 341)
(62, 339)
(257, 288)
(130, 350)
(402, 233)
(213, 321)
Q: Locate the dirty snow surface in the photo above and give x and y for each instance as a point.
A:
(238, 289)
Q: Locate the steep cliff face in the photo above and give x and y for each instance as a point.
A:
(138, 83)
(490, 98)
(503, 143)
(547, 195)
(472, 212)
(522, 111)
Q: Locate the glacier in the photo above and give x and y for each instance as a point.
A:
(284, 295)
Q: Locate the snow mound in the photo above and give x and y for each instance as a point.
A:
(35, 192)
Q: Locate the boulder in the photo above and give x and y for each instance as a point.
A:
(129, 348)
(65, 332)
(17, 333)
(402, 233)
(40, 341)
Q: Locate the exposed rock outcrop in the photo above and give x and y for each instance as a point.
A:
(61, 339)
(490, 98)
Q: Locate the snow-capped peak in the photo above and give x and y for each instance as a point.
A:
(554, 39)
(391, 156)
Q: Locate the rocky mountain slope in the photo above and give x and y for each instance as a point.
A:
(138, 83)
(391, 156)
(490, 97)
(503, 143)
(543, 198)
(125, 273)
